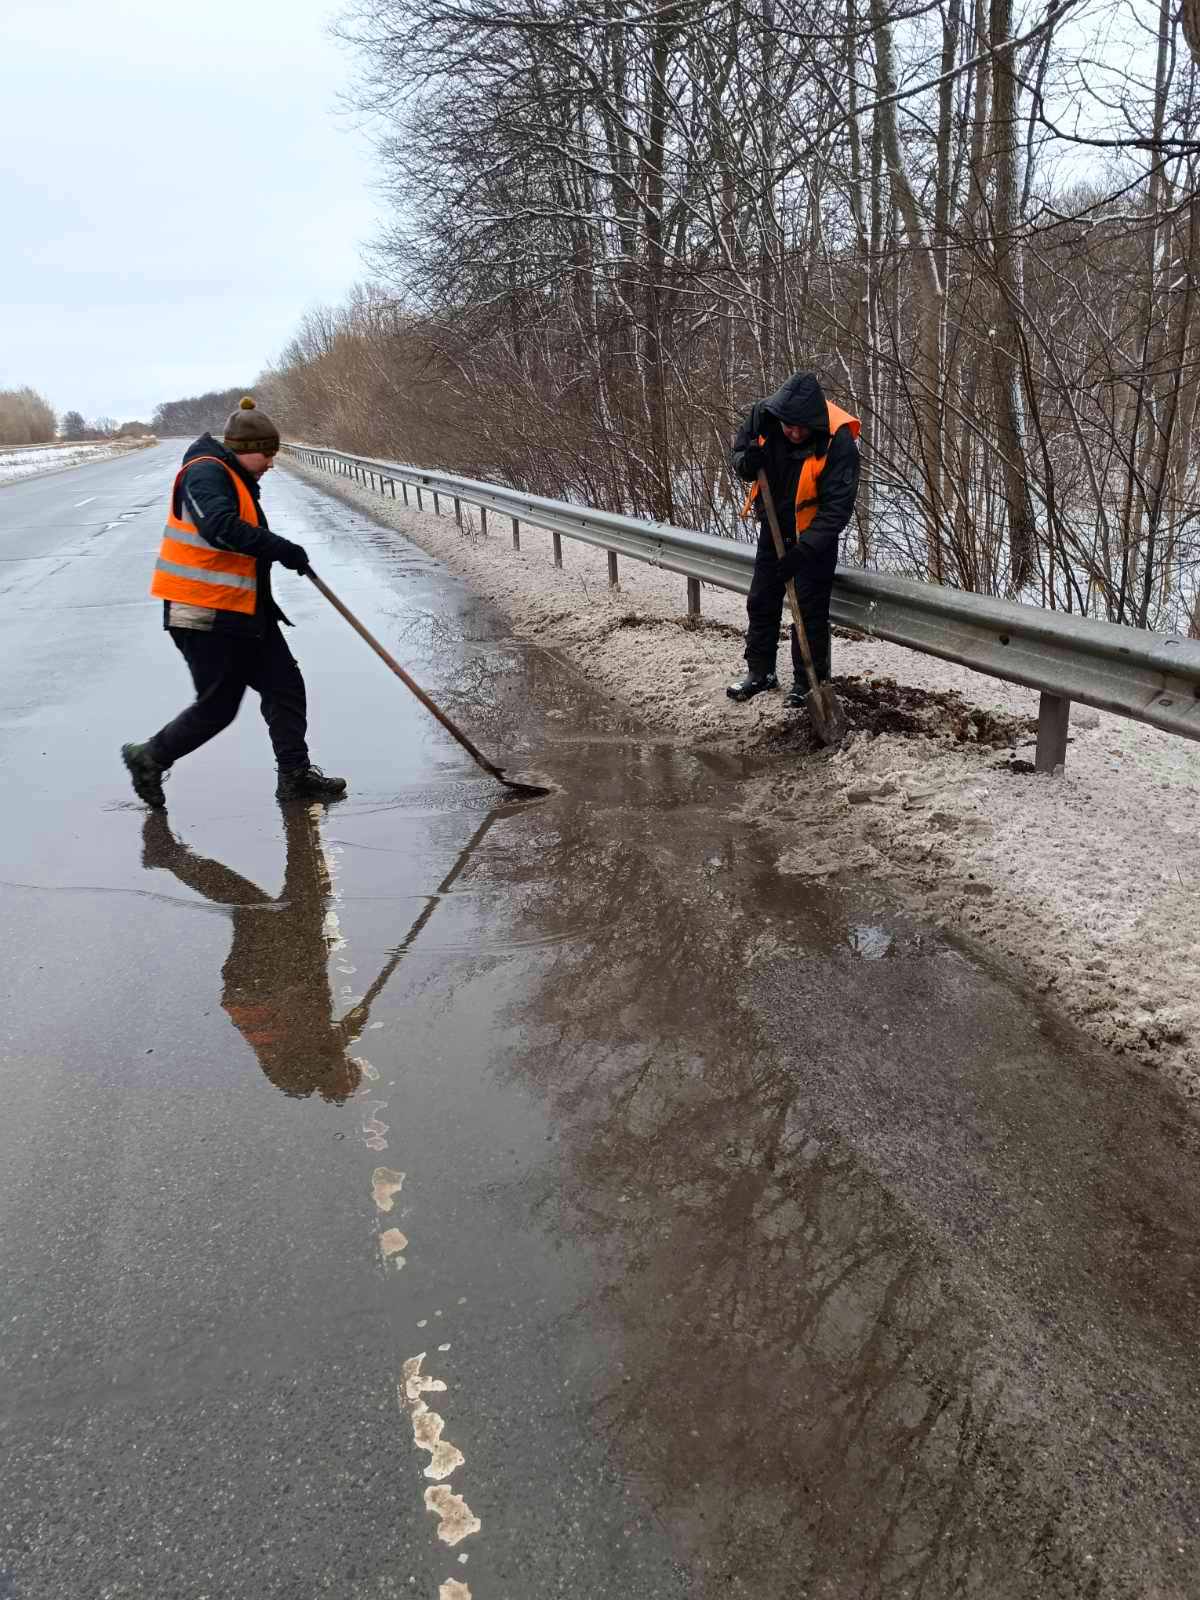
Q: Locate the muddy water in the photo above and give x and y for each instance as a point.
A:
(889, 1281)
(896, 1278)
(556, 1186)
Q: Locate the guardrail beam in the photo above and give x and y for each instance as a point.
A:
(1148, 677)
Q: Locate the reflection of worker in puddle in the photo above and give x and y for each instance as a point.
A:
(276, 976)
(276, 979)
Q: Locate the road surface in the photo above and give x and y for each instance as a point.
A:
(434, 1196)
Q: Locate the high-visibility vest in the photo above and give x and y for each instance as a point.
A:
(197, 573)
(810, 472)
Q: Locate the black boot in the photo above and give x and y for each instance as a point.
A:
(797, 695)
(753, 683)
(308, 783)
(146, 773)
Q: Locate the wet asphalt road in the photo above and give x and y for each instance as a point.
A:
(764, 1242)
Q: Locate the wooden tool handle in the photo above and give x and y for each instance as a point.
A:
(768, 500)
(409, 683)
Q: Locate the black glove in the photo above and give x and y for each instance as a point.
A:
(754, 458)
(293, 556)
(795, 558)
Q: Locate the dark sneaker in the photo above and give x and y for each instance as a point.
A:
(308, 783)
(146, 773)
(797, 695)
(753, 683)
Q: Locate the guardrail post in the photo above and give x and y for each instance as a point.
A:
(404, 491)
(613, 582)
(557, 542)
(1054, 718)
(516, 533)
(420, 505)
(392, 482)
(693, 597)
(483, 521)
(437, 504)
(458, 512)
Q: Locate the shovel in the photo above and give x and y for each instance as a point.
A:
(824, 707)
(525, 791)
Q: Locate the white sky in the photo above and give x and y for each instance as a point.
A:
(177, 186)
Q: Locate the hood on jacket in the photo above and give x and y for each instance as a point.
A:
(800, 402)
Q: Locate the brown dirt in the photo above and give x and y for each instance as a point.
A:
(881, 705)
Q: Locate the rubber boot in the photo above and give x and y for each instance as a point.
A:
(753, 683)
(146, 773)
(308, 783)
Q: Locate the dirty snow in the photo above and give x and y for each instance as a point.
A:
(29, 463)
(1087, 885)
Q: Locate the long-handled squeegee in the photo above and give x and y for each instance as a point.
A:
(526, 791)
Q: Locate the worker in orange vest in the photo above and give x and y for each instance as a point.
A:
(808, 449)
(213, 576)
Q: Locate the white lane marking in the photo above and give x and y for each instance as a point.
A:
(86, 502)
(373, 1129)
(391, 1243)
(416, 1383)
(427, 1427)
(456, 1519)
(385, 1185)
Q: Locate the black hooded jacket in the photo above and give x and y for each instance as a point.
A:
(801, 402)
(207, 497)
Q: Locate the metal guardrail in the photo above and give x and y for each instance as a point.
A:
(1152, 678)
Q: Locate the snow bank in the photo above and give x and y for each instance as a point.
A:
(1088, 885)
(29, 463)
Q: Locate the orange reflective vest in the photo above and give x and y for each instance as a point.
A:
(197, 573)
(810, 472)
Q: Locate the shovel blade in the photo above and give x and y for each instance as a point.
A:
(826, 714)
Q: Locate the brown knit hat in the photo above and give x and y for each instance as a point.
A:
(249, 429)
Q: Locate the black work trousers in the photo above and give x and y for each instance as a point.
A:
(765, 603)
(223, 666)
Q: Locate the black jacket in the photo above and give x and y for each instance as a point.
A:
(801, 401)
(207, 497)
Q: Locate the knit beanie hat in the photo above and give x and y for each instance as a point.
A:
(248, 430)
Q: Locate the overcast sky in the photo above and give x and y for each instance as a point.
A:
(176, 189)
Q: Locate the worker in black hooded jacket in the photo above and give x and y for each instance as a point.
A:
(808, 449)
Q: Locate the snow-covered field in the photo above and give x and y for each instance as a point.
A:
(1088, 885)
(16, 464)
